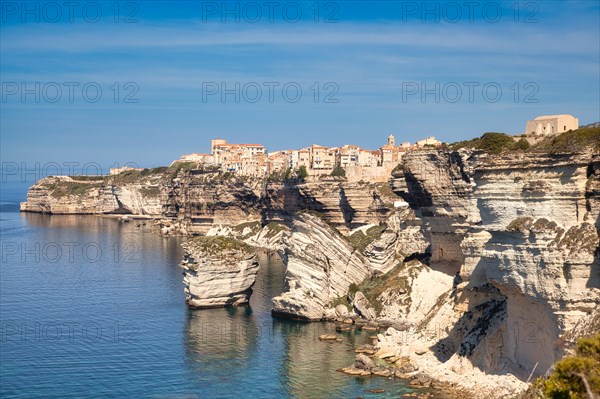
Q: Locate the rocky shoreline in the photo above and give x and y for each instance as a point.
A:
(474, 272)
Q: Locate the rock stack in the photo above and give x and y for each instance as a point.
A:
(218, 271)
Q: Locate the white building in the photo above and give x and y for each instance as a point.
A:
(551, 124)
(429, 141)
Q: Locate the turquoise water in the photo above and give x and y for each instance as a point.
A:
(90, 307)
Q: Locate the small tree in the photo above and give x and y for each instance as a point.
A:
(302, 172)
(338, 171)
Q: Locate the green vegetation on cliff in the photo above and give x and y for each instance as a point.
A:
(360, 240)
(494, 143)
(60, 189)
(396, 281)
(500, 143)
(137, 176)
(302, 172)
(573, 377)
(217, 244)
(571, 141)
(338, 171)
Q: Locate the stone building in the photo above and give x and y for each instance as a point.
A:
(196, 157)
(551, 124)
(429, 142)
(253, 159)
(322, 157)
(348, 155)
(279, 161)
(369, 158)
(222, 151)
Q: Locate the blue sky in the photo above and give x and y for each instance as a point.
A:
(374, 58)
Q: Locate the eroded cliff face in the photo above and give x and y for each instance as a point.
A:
(218, 272)
(321, 265)
(94, 195)
(522, 232)
(195, 201)
(488, 276)
(192, 201)
(345, 205)
(488, 265)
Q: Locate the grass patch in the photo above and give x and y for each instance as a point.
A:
(89, 178)
(341, 301)
(360, 240)
(240, 227)
(174, 170)
(217, 244)
(136, 176)
(65, 188)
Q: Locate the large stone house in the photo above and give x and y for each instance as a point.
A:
(551, 124)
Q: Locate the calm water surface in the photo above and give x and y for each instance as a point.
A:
(90, 307)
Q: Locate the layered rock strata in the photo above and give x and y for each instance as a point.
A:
(90, 195)
(321, 265)
(516, 237)
(218, 272)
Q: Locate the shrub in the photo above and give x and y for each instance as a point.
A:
(66, 188)
(522, 145)
(577, 376)
(567, 142)
(302, 172)
(338, 171)
(571, 141)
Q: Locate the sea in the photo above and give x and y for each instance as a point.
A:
(91, 307)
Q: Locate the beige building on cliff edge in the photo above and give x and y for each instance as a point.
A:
(253, 159)
(551, 124)
(428, 142)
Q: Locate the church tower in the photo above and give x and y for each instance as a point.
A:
(391, 140)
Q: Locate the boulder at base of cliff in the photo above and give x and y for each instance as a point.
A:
(361, 307)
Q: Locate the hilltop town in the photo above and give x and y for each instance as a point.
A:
(351, 161)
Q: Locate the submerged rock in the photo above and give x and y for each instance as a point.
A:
(218, 271)
(363, 362)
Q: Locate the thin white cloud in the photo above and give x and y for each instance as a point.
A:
(515, 39)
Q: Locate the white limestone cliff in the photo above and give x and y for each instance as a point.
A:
(321, 265)
(218, 271)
